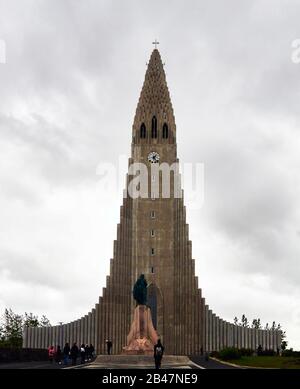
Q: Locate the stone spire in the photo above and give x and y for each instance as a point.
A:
(155, 97)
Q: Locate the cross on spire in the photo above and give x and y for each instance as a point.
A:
(155, 43)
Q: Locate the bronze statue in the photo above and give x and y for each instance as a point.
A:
(140, 290)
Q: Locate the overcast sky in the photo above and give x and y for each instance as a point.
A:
(68, 93)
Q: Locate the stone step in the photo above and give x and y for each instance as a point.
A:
(141, 360)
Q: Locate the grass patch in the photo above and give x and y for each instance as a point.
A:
(275, 362)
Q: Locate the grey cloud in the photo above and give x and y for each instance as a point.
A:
(68, 93)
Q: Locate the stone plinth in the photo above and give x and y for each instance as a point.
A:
(142, 336)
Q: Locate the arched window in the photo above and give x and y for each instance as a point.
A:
(154, 127)
(165, 131)
(143, 131)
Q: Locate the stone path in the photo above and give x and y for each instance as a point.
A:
(127, 362)
(211, 363)
(136, 362)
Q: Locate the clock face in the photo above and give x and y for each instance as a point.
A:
(153, 157)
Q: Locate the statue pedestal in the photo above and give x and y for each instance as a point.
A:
(142, 336)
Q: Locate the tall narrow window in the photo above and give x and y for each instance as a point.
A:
(165, 131)
(152, 233)
(154, 127)
(143, 131)
(152, 251)
(152, 214)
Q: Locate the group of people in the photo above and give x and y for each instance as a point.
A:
(86, 353)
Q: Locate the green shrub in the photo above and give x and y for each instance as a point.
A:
(267, 353)
(230, 353)
(291, 353)
(246, 352)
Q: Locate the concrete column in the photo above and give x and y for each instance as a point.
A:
(77, 332)
(235, 340)
(271, 340)
(264, 341)
(242, 337)
(206, 328)
(49, 342)
(253, 341)
(86, 329)
(54, 340)
(32, 337)
(93, 334)
(248, 342)
(279, 339)
(35, 338)
(218, 323)
(210, 331)
(61, 329)
(82, 331)
(28, 337)
(203, 325)
(42, 337)
(66, 334)
(260, 336)
(221, 334)
(233, 335)
(45, 329)
(71, 333)
(75, 337)
(47, 337)
(226, 334)
(99, 327)
(213, 332)
(70, 337)
(25, 337)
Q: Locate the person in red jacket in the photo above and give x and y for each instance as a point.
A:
(51, 353)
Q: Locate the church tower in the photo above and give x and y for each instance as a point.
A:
(160, 246)
(153, 239)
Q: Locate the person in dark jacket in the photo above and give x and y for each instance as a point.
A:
(92, 351)
(74, 353)
(158, 354)
(82, 353)
(58, 355)
(51, 353)
(109, 346)
(66, 353)
(87, 353)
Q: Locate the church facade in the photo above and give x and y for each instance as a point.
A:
(153, 239)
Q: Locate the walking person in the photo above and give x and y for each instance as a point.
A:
(92, 351)
(87, 353)
(158, 354)
(58, 355)
(109, 346)
(51, 353)
(82, 353)
(74, 353)
(66, 353)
